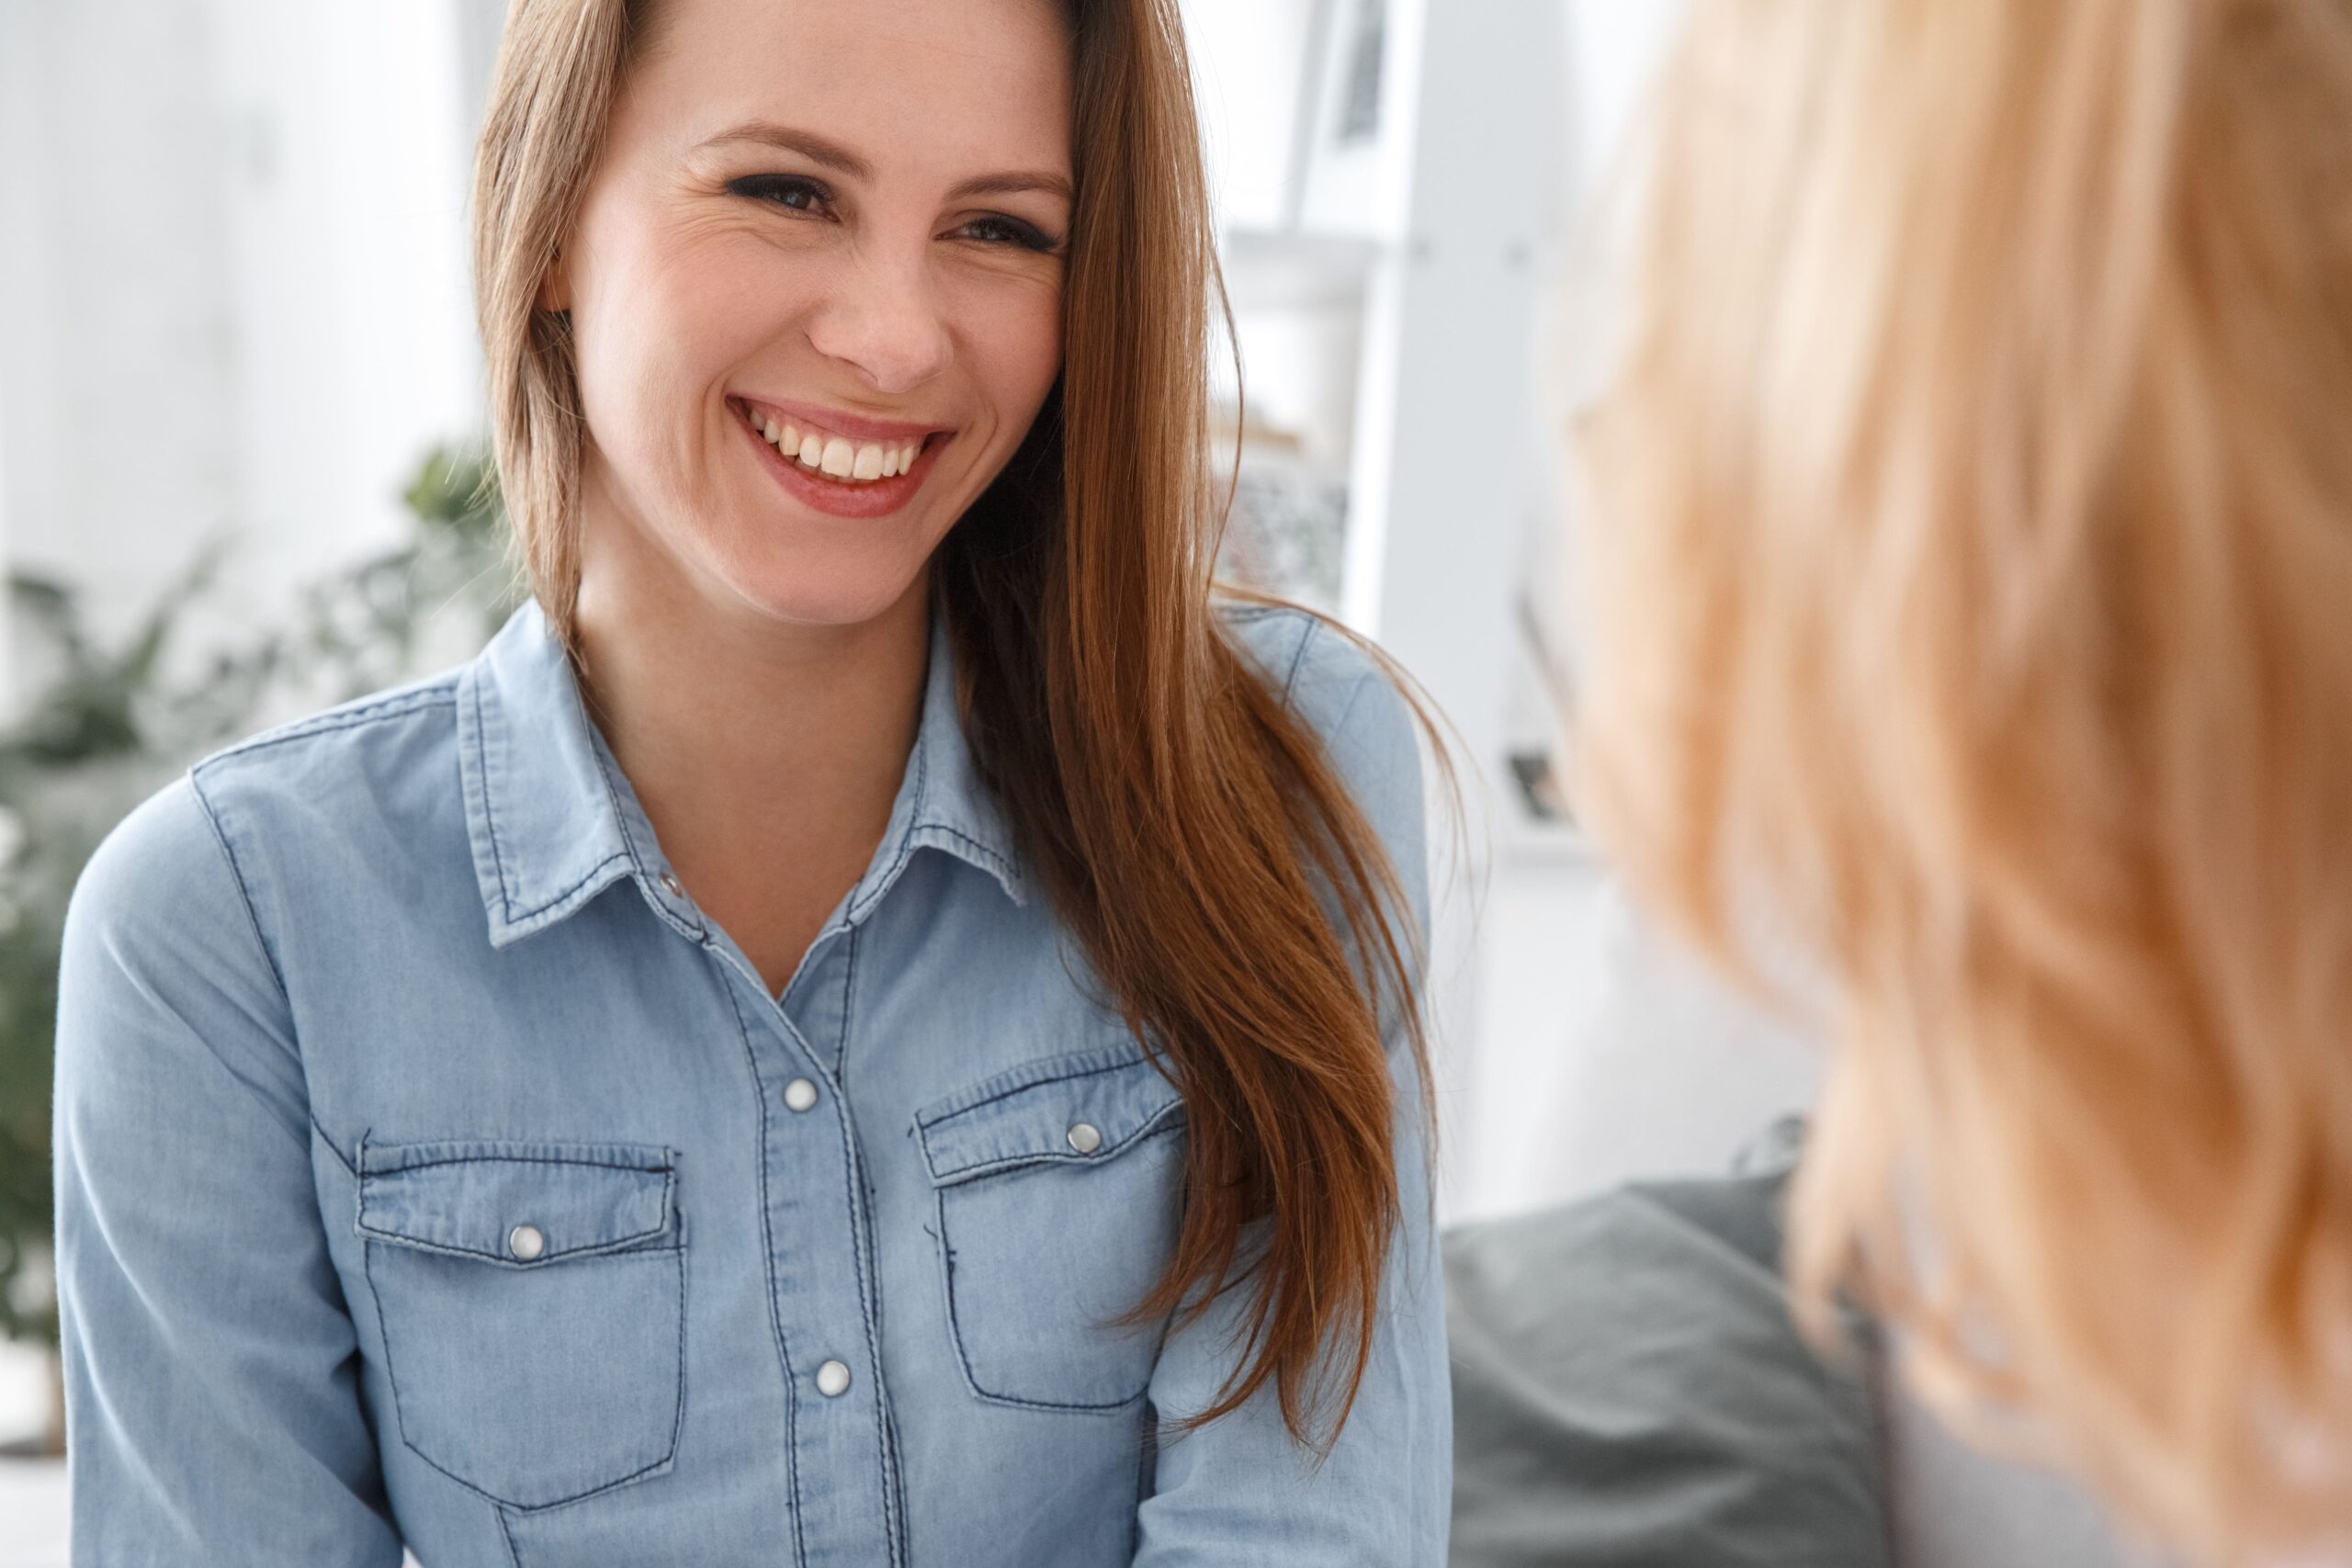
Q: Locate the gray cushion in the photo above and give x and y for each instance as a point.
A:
(1630, 1391)
(1953, 1506)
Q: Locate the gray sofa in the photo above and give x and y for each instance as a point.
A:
(1630, 1391)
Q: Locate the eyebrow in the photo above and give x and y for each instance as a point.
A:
(1013, 184)
(831, 155)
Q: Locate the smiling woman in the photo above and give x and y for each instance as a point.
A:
(778, 222)
(876, 1023)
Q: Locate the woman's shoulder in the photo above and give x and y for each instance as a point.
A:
(386, 761)
(1341, 688)
(1333, 679)
(175, 855)
(348, 743)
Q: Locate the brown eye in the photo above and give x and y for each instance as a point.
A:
(1000, 230)
(789, 191)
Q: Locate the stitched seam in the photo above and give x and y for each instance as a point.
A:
(612, 799)
(861, 1238)
(1162, 1120)
(507, 1534)
(767, 1238)
(861, 1228)
(987, 852)
(244, 896)
(1029, 1075)
(540, 908)
(1147, 1452)
(514, 1266)
(605, 771)
(342, 718)
(613, 1244)
(678, 1419)
(858, 908)
(962, 1357)
(894, 1480)
(514, 1160)
(359, 1207)
(1008, 1092)
(1298, 659)
(678, 1399)
(391, 1375)
(849, 1005)
(328, 1137)
(236, 877)
(490, 806)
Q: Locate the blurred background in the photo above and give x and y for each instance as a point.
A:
(239, 406)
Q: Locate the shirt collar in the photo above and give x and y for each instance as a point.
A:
(554, 822)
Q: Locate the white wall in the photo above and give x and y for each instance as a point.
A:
(1247, 60)
(347, 263)
(117, 347)
(232, 290)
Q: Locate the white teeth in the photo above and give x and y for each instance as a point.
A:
(836, 456)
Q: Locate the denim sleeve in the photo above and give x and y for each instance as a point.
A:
(1240, 1489)
(212, 1405)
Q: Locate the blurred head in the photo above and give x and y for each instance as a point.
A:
(975, 232)
(1972, 578)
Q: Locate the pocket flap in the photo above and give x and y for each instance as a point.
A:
(1079, 1109)
(468, 1197)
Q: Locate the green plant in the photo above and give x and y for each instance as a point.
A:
(107, 724)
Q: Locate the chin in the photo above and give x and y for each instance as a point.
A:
(823, 589)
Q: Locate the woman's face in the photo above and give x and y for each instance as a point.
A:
(816, 287)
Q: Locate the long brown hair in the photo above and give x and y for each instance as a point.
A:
(1190, 831)
(1973, 545)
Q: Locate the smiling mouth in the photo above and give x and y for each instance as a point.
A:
(827, 455)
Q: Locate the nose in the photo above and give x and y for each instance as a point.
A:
(884, 322)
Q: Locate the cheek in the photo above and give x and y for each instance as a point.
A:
(670, 314)
(1016, 350)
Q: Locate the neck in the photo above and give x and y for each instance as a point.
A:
(766, 754)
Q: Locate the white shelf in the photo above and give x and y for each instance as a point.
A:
(1277, 269)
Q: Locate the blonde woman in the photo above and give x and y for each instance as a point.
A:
(1972, 580)
(874, 1024)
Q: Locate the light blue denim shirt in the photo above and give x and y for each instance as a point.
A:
(432, 1172)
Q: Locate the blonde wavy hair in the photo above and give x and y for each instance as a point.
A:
(1971, 588)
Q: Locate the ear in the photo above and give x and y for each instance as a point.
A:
(555, 286)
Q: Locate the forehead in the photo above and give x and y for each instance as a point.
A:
(909, 82)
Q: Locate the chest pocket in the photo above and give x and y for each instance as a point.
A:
(532, 1301)
(1059, 1185)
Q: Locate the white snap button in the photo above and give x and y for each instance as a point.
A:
(525, 1242)
(832, 1379)
(800, 1094)
(1085, 1139)
(669, 884)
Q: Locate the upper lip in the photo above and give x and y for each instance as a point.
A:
(856, 427)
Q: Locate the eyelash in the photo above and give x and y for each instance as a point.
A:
(777, 190)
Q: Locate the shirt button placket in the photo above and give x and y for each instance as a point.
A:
(845, 1474)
